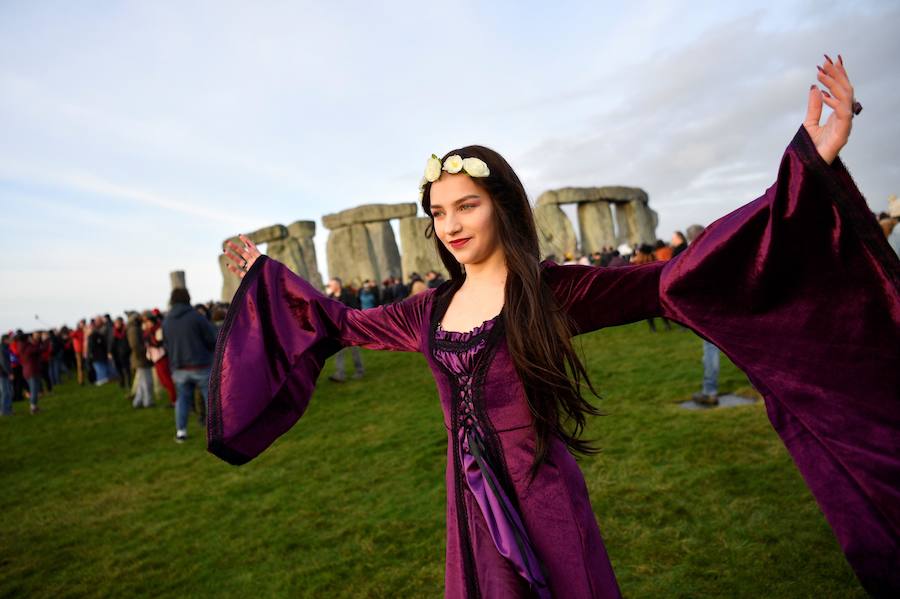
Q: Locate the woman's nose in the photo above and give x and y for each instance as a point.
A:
(451, 225)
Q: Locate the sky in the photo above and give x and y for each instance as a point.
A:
(136, 136)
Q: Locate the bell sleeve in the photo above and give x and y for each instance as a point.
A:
(272, 346)
(800, 289)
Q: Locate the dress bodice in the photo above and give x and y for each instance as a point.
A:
(458, 351)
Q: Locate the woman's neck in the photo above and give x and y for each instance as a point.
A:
(488, 273)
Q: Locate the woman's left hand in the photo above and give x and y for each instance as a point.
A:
(832, 136)
(240, 259)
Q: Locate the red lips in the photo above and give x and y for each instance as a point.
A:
(458, 243)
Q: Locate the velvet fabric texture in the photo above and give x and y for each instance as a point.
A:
(799, 288)
(462, 354)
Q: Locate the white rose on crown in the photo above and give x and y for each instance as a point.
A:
(453, 164)
(433, 169)
(475, 167)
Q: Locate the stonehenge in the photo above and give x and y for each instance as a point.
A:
(361, 242)
(362, 245)
(634, 223)
(292, 245)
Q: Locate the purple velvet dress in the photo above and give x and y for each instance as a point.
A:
(799, 288)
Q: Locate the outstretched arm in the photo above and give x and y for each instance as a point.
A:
(801, 290)
(393, 326)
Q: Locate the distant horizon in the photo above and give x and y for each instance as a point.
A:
(130, 150)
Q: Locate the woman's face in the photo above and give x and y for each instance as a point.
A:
(464, 218)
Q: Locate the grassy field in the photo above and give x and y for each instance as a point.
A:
(98, 501)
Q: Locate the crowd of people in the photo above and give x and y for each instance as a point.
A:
(132, 350)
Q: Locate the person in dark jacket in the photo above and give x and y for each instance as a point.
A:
(121, 352)
(368, 295)
(679, 243)
(57, 347)
(44, 340)
(190, 340)
(398, 290)
(433, 279)
(336, 289)
(98, 351)
(5, 378)
(387, 291)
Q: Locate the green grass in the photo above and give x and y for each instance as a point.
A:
(98, 501)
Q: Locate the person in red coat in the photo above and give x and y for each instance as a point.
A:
(77, 337)
(154, 340)
(30, 353)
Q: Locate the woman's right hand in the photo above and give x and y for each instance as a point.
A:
(241, 258)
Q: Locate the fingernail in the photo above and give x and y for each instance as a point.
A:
(811, 87)
(821, 70)
(826, 94)
(840, 60)
(827, 58)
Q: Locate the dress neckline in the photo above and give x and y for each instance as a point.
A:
(475, 331)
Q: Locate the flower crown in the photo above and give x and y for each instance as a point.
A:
(474, 167)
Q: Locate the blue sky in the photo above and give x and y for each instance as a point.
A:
(137, 136)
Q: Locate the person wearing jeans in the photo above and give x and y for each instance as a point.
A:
(340, 373)
(186, 381)
(709, 396)
(336, 289)
(189, 339)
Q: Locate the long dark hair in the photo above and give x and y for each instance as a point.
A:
(539, 331)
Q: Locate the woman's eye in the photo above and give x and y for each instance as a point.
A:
(466, 206)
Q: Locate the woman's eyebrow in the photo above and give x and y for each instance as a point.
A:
(471, 196)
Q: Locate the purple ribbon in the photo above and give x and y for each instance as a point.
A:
(502, 519)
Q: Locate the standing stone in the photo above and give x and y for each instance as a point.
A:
(637, 223)
(303, 232)
(555, 231)
(384, 245)
(418, 252)
(596, 223)
(350, 255)
(288, 252)
(312, 265)
(623, 225)
(177, 279)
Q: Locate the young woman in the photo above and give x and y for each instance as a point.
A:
(797, 287)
